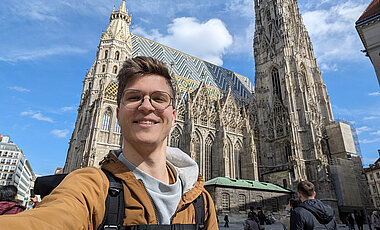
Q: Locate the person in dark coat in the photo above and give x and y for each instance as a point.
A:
(359, 219)
(311, 213)
(350, 222)
(226, 221)
(261, 216)
(252, 223)
(8, 204)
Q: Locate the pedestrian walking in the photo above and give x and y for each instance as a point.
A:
(261, 216)
(252, 223)
(375, 219)
(359, 219)
(350, 222)
(226, 221)
(8, 200)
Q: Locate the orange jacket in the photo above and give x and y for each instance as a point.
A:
(79, 202)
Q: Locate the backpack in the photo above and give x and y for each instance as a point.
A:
(114, 211)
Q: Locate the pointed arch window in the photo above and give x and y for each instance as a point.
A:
(175, 138)
(197, 148)
(276, 84)
(117, 128)
(106, 120)
(115, 69)
(238, 161)
(105, 54)
(117, 55)
(103, 68)
(208, 158)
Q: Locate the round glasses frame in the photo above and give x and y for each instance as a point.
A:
(137, 98)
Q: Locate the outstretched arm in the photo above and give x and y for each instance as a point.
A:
(78, 202)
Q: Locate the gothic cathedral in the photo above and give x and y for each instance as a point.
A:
(277, 132)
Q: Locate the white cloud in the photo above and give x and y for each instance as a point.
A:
(60, 133)
(370, 118)
(36, 115)
(19, 89)
(369, 141)
(362, 129)
(376, 133)
(333, 33)
(241, 7)
(207, 41)
(25, 55)
(374, 94)
(67, 108)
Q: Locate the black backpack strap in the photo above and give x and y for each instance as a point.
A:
(114, 213)
(161, 227)
(199, 207)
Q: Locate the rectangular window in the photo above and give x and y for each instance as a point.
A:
(9, 161)
(371, 176)
(5, 154)
(6, 168)
(377, 175)
(10, 154)
(374, 189)
(2, 160)
(14, 161)
(117, 128)
(16, 154)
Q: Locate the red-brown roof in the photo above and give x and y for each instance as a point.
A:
(372, 10)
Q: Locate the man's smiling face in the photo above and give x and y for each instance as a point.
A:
(145, 124)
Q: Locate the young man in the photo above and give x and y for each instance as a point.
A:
(159, 183)
(311, 213)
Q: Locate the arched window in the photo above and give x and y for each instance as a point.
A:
(276, 84)
(117, 127)
(115, 69)
(117, 55)
(106, 54)
(197, 148)
(175, 138)
(242, 202)
(103, 68)
(238, 160)
(106, 120)
(226, 202)
(208, 158)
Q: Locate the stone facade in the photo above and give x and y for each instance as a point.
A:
(373, 178)
(237, 196)
(212, 123)
(277, 133)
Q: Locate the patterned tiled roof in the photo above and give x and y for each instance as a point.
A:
(372, 10)
(192, 68)
(111, 91)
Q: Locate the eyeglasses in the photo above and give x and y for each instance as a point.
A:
(132, 99)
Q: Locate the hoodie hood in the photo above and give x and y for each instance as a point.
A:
(186, 167)
(10, 207)
(323, 212)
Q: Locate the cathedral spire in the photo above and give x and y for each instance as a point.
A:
(122, 7)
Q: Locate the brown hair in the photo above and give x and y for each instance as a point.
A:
(306, 188)
(139, 66)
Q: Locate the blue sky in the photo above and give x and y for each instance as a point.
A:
(46, 47)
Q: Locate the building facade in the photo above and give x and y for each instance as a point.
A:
(368, 27)
(373, 178)
(237, 196)
(15, 169)
(283, 131)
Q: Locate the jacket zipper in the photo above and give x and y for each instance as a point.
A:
(184, 206)
(151, 199)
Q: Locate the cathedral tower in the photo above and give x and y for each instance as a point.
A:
(293, 107)
(92, 134)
